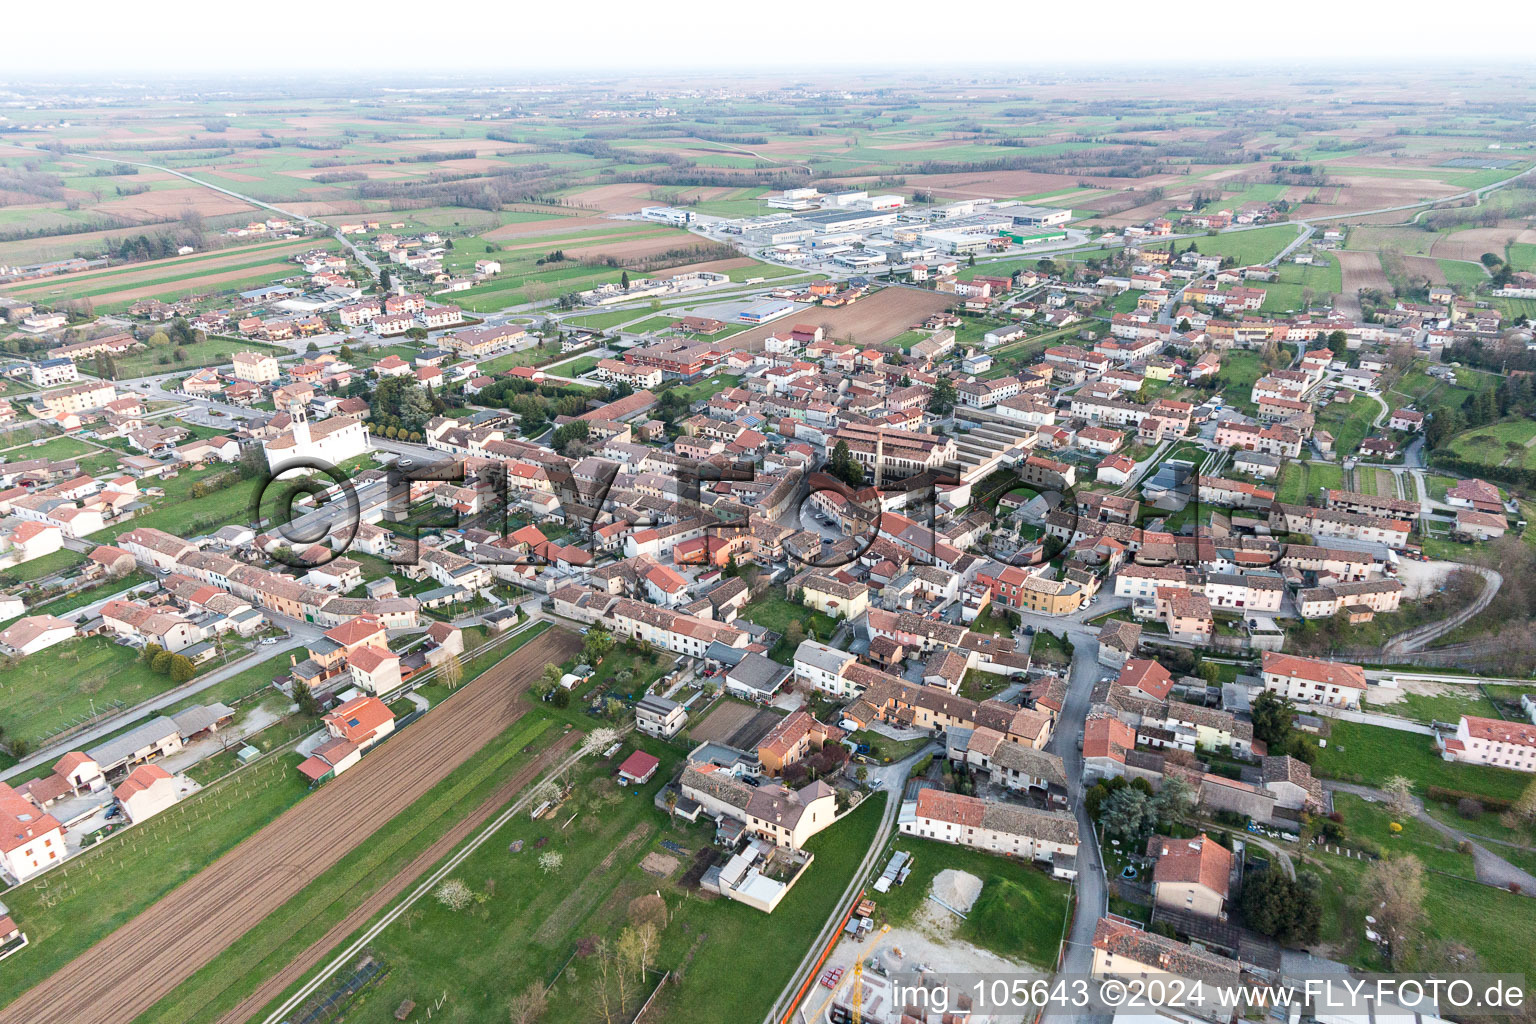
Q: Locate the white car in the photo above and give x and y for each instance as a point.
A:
(267, 641)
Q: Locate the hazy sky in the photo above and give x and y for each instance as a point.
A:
(149, 39)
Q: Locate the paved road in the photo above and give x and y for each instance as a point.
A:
(1092, 888)
(198, 685)
(891, 780)
(1419, 638)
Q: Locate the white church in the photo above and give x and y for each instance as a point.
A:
(333, 440)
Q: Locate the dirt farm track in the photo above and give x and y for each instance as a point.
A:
(130, 970)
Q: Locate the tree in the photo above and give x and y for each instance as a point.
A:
(561, 698)
(596, 643)
(1126, 816)
(943, 398)
(182, 668)
(1174, 797)
(599, 740)
(450, 672)
(1273, 718)
(1289, 911)
(1210, 672)
(1338, 344)
(551, 861)
(570, 433)
(147, 655)
(671, 801)
(384, 279)
(844, 466)
(794, 633)
(1393, 893)
(1399, 791)
(305, 699)
(529, 1005)
(455, 895)
(637, 950)
(1523, 810)
(624, 280)
(550, 677)
(161, 663)
(159, 340)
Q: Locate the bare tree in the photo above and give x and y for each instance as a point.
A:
(602, 1000)
(529, 1004)
(450, 671)
(1393, 891)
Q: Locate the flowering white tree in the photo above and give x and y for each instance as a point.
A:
(455, 895)
(551, 861)
(598, 740)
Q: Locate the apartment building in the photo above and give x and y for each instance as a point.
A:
(1313, 680)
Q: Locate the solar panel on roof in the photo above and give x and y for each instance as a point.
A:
(353, 722)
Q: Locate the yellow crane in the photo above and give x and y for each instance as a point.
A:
(856, 1000)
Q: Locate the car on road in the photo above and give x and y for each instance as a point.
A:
(268, 641)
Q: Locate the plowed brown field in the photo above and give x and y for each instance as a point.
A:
(133, 968)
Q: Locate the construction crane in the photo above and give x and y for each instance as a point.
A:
(856, 1000)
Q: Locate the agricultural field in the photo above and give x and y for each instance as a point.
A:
(1296, 282)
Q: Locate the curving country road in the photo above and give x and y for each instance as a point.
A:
(1419, 637)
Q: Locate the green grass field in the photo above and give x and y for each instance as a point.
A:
(215, 351)
(35, 569)
(1348, 424)
(1462, 276)
(1239, 369)
(48, 690)
(1506, 443)
(1521, 255)
(179, 514)
(1285, 294)
(1020, 914)
(1371, 754)
(1248, 246)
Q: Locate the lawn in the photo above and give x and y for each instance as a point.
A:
(1371, 754)
(51, 689)
(67, 911)
(88, 595)
(1348, 423)
(36, 568)
(1495, 923)
(306, 917)
(1239, 369)
(527, 357)
(708, 387)
(179, 514)
(56, 448)
(776, 612)
(1285, 293)
(1020, 914)
(1508, 442)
